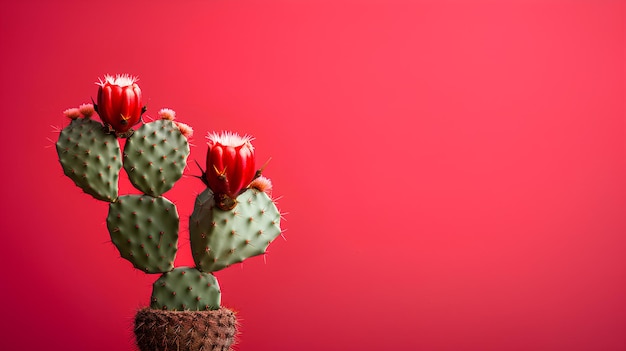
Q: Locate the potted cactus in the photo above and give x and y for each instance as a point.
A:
(233, 219)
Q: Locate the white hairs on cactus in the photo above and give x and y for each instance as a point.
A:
(122, 80)
(227, 138)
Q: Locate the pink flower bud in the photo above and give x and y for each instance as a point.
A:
(167, 113)
(185, 129)
(86, 110)
(72, 113)
(262, 184)
(119, 102)
(230, 164)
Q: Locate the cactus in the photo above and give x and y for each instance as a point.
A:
(145, 231)
(90, 157)
(155, 157)
(220, 238)
(185, 289)
(233, 219)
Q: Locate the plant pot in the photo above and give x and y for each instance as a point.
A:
(159, 330)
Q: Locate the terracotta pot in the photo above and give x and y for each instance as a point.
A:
(158, 330)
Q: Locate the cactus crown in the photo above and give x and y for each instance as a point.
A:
(122, 80)
(227, 138)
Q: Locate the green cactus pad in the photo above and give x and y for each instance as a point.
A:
(145, 231)
(220, 238)
(155, 157)
(91, 158)
(185, 289)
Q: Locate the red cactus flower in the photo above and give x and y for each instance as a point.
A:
(229, 166)
(119, 102)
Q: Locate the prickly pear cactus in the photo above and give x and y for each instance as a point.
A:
(185, 289)
(155, 157)
(233, 219)
(145, 231)
(91, 158)
(220, 238)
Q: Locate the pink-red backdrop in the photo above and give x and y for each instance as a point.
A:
(454, 172)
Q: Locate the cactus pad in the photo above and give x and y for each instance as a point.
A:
(220, 238)
(145, 231)
(91, 158)
(155, 157)
(186, 288)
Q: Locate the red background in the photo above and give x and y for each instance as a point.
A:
(454, 172)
